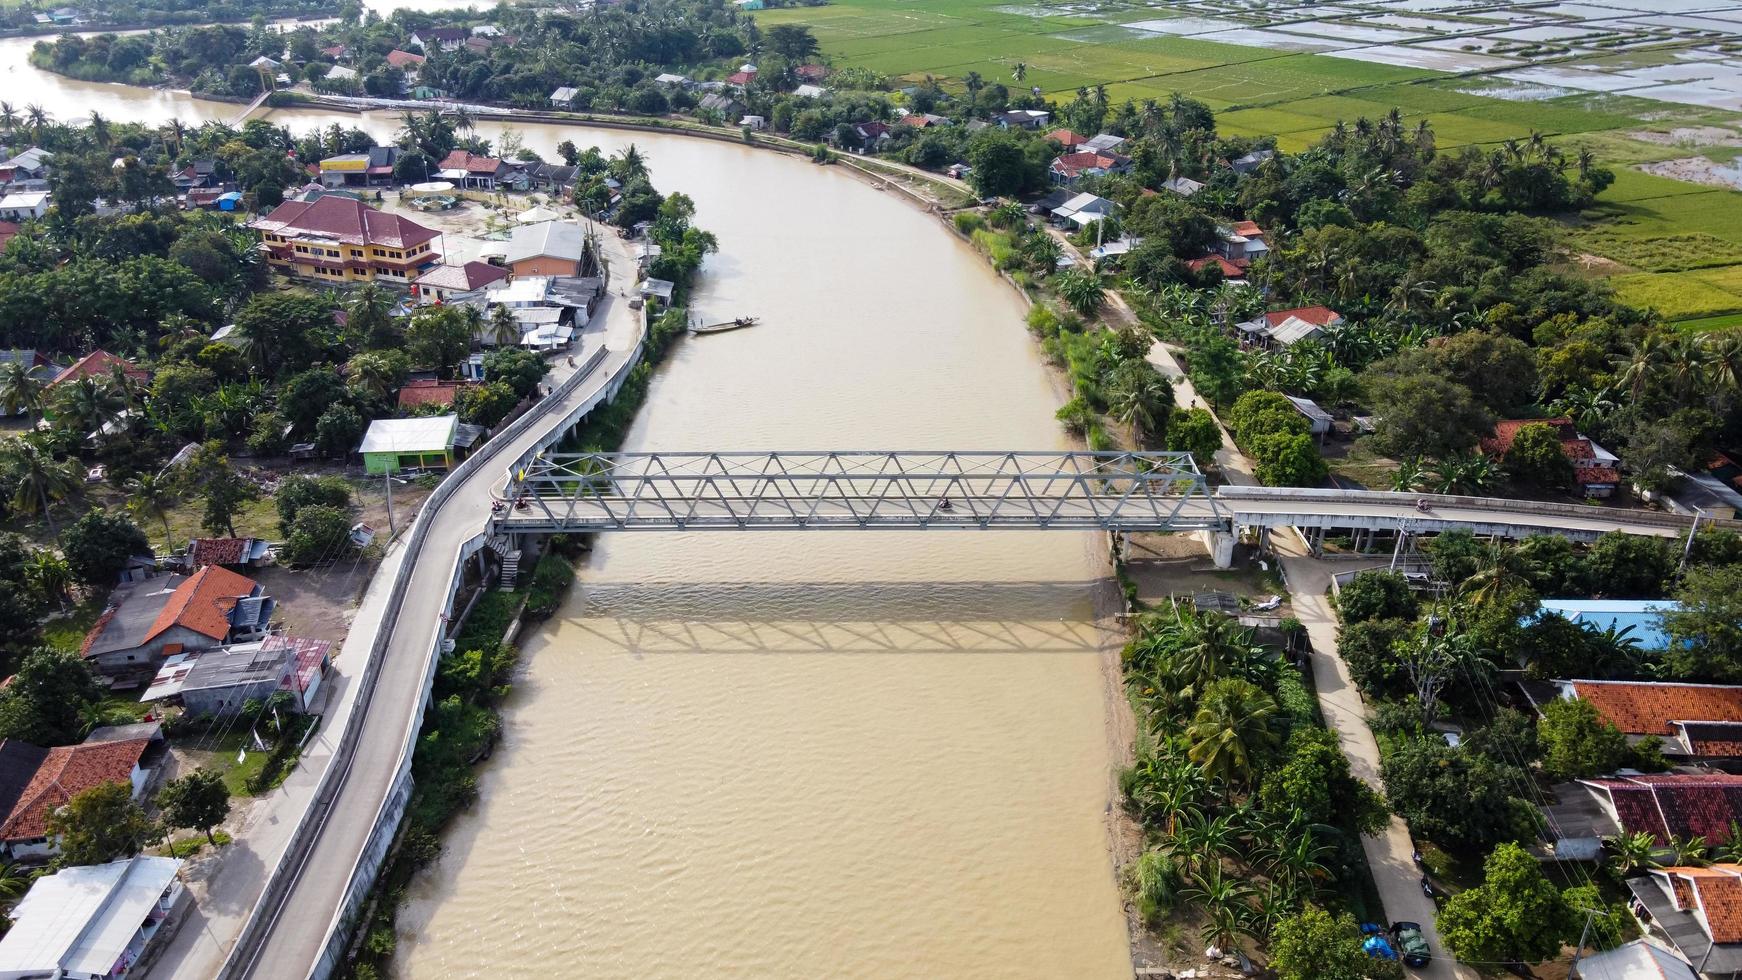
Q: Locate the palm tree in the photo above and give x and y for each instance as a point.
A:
(504, 329)
(1042, 251)
(1724, 360)
(629, 163)
(1686, 361)
(1195, 649)
(1140, 398)
(149, 497)
(1203, 841)
(42, 480)
(1632, 852)
(1083, 290)
(1168, 786)
(8, 117)
(19, 392)
(1586, 159)
(100, 130)
(1500, 567)
(1641, 364)
(1589, 409)
(974, 84)
(88, 404)
(37, 117)
(1233, 730)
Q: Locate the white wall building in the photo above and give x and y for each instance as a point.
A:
(90, 922)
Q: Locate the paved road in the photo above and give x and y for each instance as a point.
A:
(1389, 854)
(297, 936)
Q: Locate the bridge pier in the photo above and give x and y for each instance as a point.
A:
(1220, 545)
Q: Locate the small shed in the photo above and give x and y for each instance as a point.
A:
(229, 201)
(564, 97)
(392, 445)
(1317, 418)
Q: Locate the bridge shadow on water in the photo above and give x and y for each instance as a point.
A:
(843, 618)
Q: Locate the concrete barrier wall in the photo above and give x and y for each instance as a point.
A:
(241, 957)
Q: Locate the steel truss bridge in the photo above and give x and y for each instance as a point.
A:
(757, 491)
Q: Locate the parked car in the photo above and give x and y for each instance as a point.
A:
(1410, 941)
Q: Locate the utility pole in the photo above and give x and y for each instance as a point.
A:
(1573, 970)
(1688, 548)
(387, 481)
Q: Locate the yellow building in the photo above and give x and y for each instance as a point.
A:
(340, 239)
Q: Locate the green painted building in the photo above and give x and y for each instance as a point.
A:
(392, 445)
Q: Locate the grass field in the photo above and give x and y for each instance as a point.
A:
(1671, 237)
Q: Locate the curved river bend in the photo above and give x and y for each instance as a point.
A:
(791, 755)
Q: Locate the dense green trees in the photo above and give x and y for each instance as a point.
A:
(1454, 797)
(1577, 742)
(1315, 945)
(1515, 915)
(198, 801)
(98, 545)
(100, 825)
(50, 700)
(1376, 595)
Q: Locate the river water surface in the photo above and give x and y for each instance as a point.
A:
(791, 754)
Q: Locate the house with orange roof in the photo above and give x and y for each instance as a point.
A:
(100, 364)
(1242, 242)
(468, 169)
(419, 392)
(1701, 722)
(1068, 168)
(154, 618)
(1065, 138)
(1699, 910)
(404, 60)
(1283, 328)
(35, 782)
(1596, 470)
(1231, 272)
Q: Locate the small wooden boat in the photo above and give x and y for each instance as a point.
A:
(738, 324)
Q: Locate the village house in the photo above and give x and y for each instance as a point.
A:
(727, 106)
(743, 76)
(1230, 272)
(564, 97)
(1691, 722)
(922, 120)
(1102, 143)
(100, 364)
(1251, 161)
(754, 123)
(8, 231)
(220, 681)
(336, 238)
(91, 922)
(420, 392)
(156, 617)
(1183, 186)
(1241, 242)
(1700, 910)
(1068, 168)
(197, 174)
(443, 38)
(405, 61)
(1664, 805)
(36, 364)
(548, 248)
(35, 782)
(1022, 118)
(23, 206)
(443, 281)
(808, 91)
(27, 171)
(550, 310)
(1641, 959)
(1596, 470)
(1083, 210)
(468, 169)
(336, 52)
(1065, 139)
(813, 73)
(670, 79)
(373, 168)
(1284, 328)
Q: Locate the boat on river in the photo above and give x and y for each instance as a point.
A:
(737, 324)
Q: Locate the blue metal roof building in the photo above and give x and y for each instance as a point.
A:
(1645, 616)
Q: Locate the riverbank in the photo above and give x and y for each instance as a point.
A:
(200, 19)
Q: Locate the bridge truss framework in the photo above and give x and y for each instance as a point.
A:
(863, 490)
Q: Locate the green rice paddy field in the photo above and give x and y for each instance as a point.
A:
(1672, 245)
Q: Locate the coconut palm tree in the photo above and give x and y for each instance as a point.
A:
(42, 481)
(629, 163)
(1233, 730)
(88, 404)
(1724, 359)
(8, 117)
(1641, 364)
(1589, 409)
(1140, 398)
(19, 392)
(99, 131)
(1041, 251)
(1197, 648)
(37, 118)
(1167, 786)
(151, 498)
(504, 330)
(975, 85)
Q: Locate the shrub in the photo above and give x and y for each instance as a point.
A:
(319, 534)
(297, 492)
(550, 584)
(1376, 595)
(98, 545)
(1263, 413)
(968, 222)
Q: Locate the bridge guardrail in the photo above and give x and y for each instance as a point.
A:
(1496, 504)
(240, 960)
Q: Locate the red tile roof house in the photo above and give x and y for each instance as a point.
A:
(811, 73)
(1231, 271)
(229, 552)
(1700, 910)
(428, 391)
(1068, 168)
(742, 77)
(149, 620)
(436, 285)
(470, 170)
(1702, 722)
(99, 364)
(35, 782)
(1065, 138)
(404, 60)
(1595, 469)
(1664, 806)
